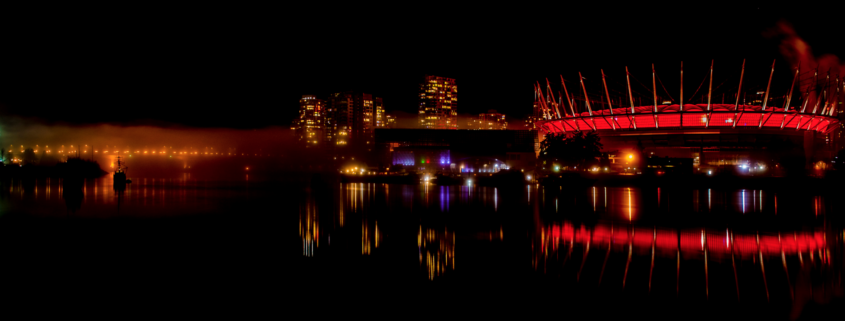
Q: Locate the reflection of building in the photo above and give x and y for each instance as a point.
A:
(456, 150)
(436, 251)
(438, 103)
(370, 237)
(718, 251)
(309, 125)
(309, 229)
(491, 120)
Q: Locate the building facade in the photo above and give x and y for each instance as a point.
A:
(438, 103)
(490, 121)
(352, 117)
(456, 151)
(310, 125)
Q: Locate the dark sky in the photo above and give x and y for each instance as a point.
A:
(246, 67)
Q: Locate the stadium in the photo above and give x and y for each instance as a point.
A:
(716, 136)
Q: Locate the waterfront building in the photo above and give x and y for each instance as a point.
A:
(309, 126)
(390, 121)
(456, 151)
(438, 103)
(379, 119)
(352, 118)
(758, 132)
(489, 120)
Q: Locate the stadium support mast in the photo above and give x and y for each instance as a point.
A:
(654, 93)
(835, 98)
(609, 103)
(789, 97)
(766, 96)
(543, 103)
(569, 101)
(818, 102)
(806, 102)
(681, 102)
(737, 113)
(587, 100)
(810, 89)
(824, 93)
(552, 95)
(709, 96)
(768, 86)
(540, 102)
(631, 97)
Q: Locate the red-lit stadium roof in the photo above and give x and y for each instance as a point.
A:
(692, 116)
(808, 115)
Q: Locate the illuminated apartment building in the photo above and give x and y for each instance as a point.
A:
(352, 117)
(309, 125)
(379, 120)
(390, 121)
(438, 103)
(490, 120)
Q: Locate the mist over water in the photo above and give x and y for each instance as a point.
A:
(30, 132)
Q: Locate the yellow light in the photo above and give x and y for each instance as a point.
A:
(630, 156)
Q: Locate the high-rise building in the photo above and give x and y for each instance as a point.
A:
(438, 103)
(379, 119)
(390, 121)
(339, 121)
(490, 120)
(310, 124)
(352, 117)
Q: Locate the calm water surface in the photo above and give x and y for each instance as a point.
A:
(769, 253)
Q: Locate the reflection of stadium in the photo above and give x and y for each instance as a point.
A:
(739, 258)
(717, 134)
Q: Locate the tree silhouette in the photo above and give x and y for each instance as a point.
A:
(574, 150)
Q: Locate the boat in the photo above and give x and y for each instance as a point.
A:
(120, 175)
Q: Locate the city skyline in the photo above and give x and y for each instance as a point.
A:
(602, 161)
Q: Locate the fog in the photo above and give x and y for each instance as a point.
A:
(19, 131)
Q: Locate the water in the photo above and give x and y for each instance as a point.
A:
(595, 251)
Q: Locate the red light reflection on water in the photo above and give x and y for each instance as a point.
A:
(692, 240)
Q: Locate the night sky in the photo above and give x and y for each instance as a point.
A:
(246, 67)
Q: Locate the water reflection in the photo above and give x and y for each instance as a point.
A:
(695, 243)
(696, 248)
(436, 251)
(370, 237)
(309, 228)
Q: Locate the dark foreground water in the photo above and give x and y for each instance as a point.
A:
(591, 252)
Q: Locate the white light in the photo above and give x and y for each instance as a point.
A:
(709, 172)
